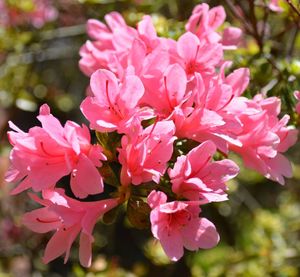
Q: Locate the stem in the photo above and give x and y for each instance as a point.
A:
(64, 32)
(253, 21)
(293, 7)
(293, 42)
(236, 14)
(265, 19)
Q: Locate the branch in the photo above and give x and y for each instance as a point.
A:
(293, 7)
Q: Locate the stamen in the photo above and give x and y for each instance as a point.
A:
(112, 106)
(226, 103)
(197, 51)
(47, 153)
(47, 221)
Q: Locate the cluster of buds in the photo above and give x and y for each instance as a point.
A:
(165, 115)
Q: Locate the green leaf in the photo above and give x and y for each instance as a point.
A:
(109, 175)
(111, 216)
(110, 142)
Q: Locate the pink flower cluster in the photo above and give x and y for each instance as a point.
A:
(42, 12)
(174, 108)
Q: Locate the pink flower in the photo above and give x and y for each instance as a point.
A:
(147, 33)
(171, 92)
(177, 225)
(274, 6)
(196, 177)
(114, 105)
(207, 117)
(198, 56)
(238, 80)
(297, 96)
(45, 154)
(112, 44)
(231, 37)
(144, 153)
(264, 137)
(98, 54)
(93, 56)
(42, 12)
(67, 217)
(204, 21)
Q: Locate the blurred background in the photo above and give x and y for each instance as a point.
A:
(260, 224)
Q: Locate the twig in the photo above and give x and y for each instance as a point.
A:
(293, 42)
(293, 7)
(265, 19)
(64, 32)
(246, 197)
(236, 14)
(49, 54)
(253, 21)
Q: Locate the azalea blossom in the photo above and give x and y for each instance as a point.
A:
(113, 105)
(144, 153)
(197, 55)
(204, 23)
(196, 177)
(163, 107)
(207, 115)
(264, 137)
(177, 225)
(68, 218)
(41, 157)
(113, 42)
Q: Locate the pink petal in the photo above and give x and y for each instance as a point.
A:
(156, 198)
(231, 36)
(95, 211)
(172, 207)
(71, 136)
(146, 29)
(85, 249)
(210, 54)
(95, 29)
(24, 185)
(137, 54)
(85, 178)
(201, 155)
(278, 167)
(225, 170)
(172, 244)
(52, 125)
(104, 84)
(217, 17)
(296, 94)
(239, 80)
(131, 92)
(176, 82)
(200, 233)
(41, 220)
(60, 243)
(289, 140)
(115, 20)
(187, 46)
